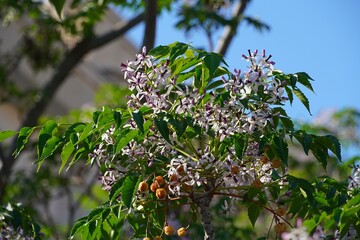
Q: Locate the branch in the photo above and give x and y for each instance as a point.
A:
(70, 61)
(229, 31)
(150, 24)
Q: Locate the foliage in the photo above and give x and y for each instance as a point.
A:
(220, 140)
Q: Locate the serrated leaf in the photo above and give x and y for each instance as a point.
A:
(212, 62)
(128, 190)
(282, 149)
(22, 139)
(301, 96)
(177, 49)
(253, 213)
(50, 147)
(331, 143)
(117, 118)
(240, 144)
(78, 226)
(6, 134)
(179, 125)
(86, 132)
(123, 141)
(159, 51)
(163, 128)
(304, 79)
(45, 134)
(116, 189)
(139, 120)
(66, 152)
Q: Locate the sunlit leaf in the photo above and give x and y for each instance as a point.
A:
(6, 134)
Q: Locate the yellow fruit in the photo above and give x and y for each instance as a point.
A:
(181, 232)
(280, 227)
(280, 211)
(154, 186)
(160, 180)
(147, 238)
(143, 186)
(169, 230)
(157, 238)
(160, 193)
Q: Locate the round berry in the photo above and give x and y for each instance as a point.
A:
(146, 238)
(181, 232)
(160, 180)
(143, 186)
(154, 186)
(280, 211)
(169, 230)
(264, 159)
(280, 227)
(157, 238)
(160, 193)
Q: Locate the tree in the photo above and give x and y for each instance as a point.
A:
(222, 138)
(208, 15)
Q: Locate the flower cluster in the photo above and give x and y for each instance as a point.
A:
(8, 232)
(242, 107)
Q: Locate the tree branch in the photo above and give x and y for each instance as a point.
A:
(229, 31)
(70, 61)
(150, 24)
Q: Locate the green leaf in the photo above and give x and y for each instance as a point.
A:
(301, 96)
(45, 134)
(116, 189)
(159, 51)
(67, 150)
(253, 213)
(212, 62)
(22, 139)
(117, 118)
(177, 49)
(304, 78)
(282, 149)
(240, 144)
(58, 4)
(86, 132)
(179, 125)
(139, 120)
(129, 190)
(78, 226)
(6, 134)
(163, 128)
(123, 141)
(331, 143)
(306, 187)
(50, 147)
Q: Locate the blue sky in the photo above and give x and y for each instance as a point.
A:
(319, 37)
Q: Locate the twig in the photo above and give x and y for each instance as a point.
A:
(72, 59)
(229, 31)
(150, 24)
